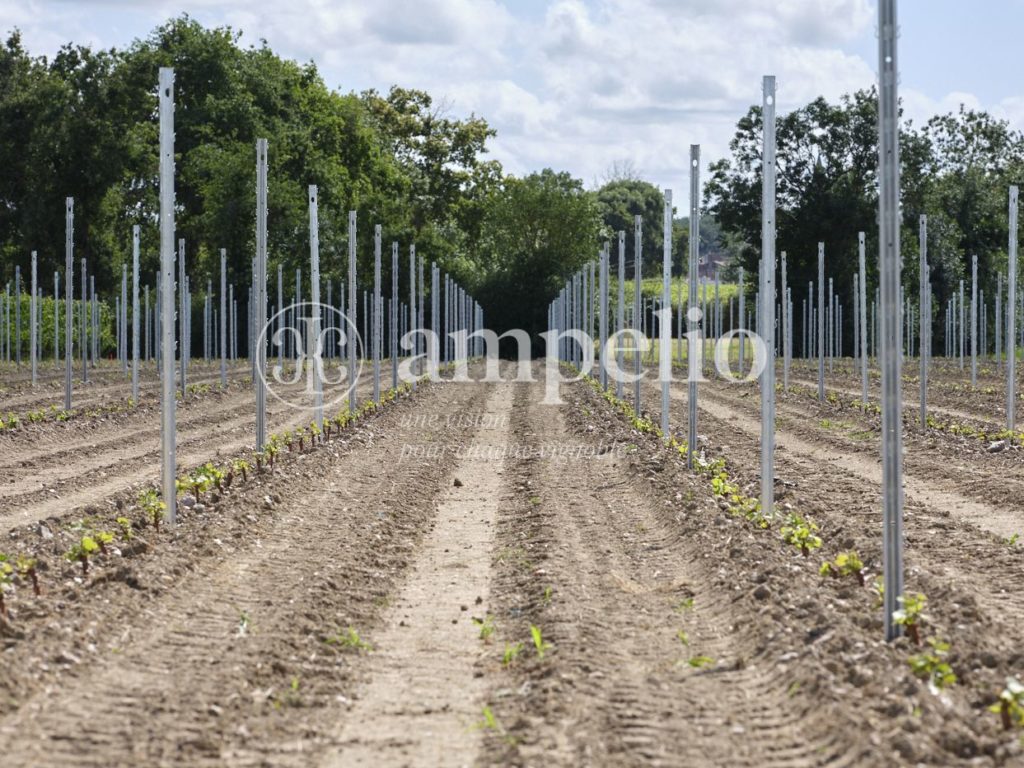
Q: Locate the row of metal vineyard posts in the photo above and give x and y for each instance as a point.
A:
(452, 311)
(457, 312)
(888, 332)
(136, 333)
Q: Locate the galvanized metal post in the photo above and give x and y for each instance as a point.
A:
(56, 319)
(974, 321)
(394, 315)
(167, 400)
(259, 295)
(862, 300)
(962, 324)
(637, 315)
(1011, 319)
(352, 308)
(82, 332)
(223, 317)
(785, 327)
(821, 322)
(375, 308)
(768, 300)
(17, 315)
(693, 351)
(603, 316)
(135, 314)
(413, 327)
(313, 343)
(124, 318)
(889, 271)
(665, 328)
(620, 312)
(33, 326)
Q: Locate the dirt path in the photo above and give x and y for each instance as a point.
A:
(423, 699)
(653, 659)
(244, 662)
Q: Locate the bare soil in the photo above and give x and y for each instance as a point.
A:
(472, 577)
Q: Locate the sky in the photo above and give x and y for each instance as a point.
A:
(587, 85)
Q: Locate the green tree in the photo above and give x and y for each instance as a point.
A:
(537, 231)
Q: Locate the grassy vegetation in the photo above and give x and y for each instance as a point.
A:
(650, 287)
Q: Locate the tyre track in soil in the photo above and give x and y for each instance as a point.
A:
(98, 476)
(623, 691)
(942, 561)
(423, 698)
(190, 687)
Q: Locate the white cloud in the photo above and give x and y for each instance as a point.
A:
(580, 85)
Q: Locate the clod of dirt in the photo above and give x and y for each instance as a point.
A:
(762, 592)
(457, 483)
(997, 446)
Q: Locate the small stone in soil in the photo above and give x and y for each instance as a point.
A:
(457, 483)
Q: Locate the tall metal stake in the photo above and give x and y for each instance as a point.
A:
(768, 300)
(821, 322)
(925, 317)
(167, 400)
(259, 295)
(69, 278)
(889, 314)
(223, 318)
(786, 330)
(862, 301)
(974, 321)
(33, 325)
(665, 328)
(637, 319)
(1011, 318)
(694, 345)
(393, 323)
(375, 308)
(314, 342)
(352, 320)
(135, 314)
(620, 312)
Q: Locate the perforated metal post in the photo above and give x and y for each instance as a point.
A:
(183, 317)
(56, 320)
(315, 348)
(863, 303)
(17, 315)
(821, 322)
(413, 316)
(167, 400)
(889, 273)
(82, 325)
(637, 316)
(768, 300)
(135, 314)
(375, 308)
(259, 295)
(33, 325)
(352, 319)
(1011, 318)
(785, 327)
(620, 312)
(693, 351)
(223, 317)
(394, 316)
(963, 317)
(743, 323)
(603, 316)
(665, 329)
(974, 321)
